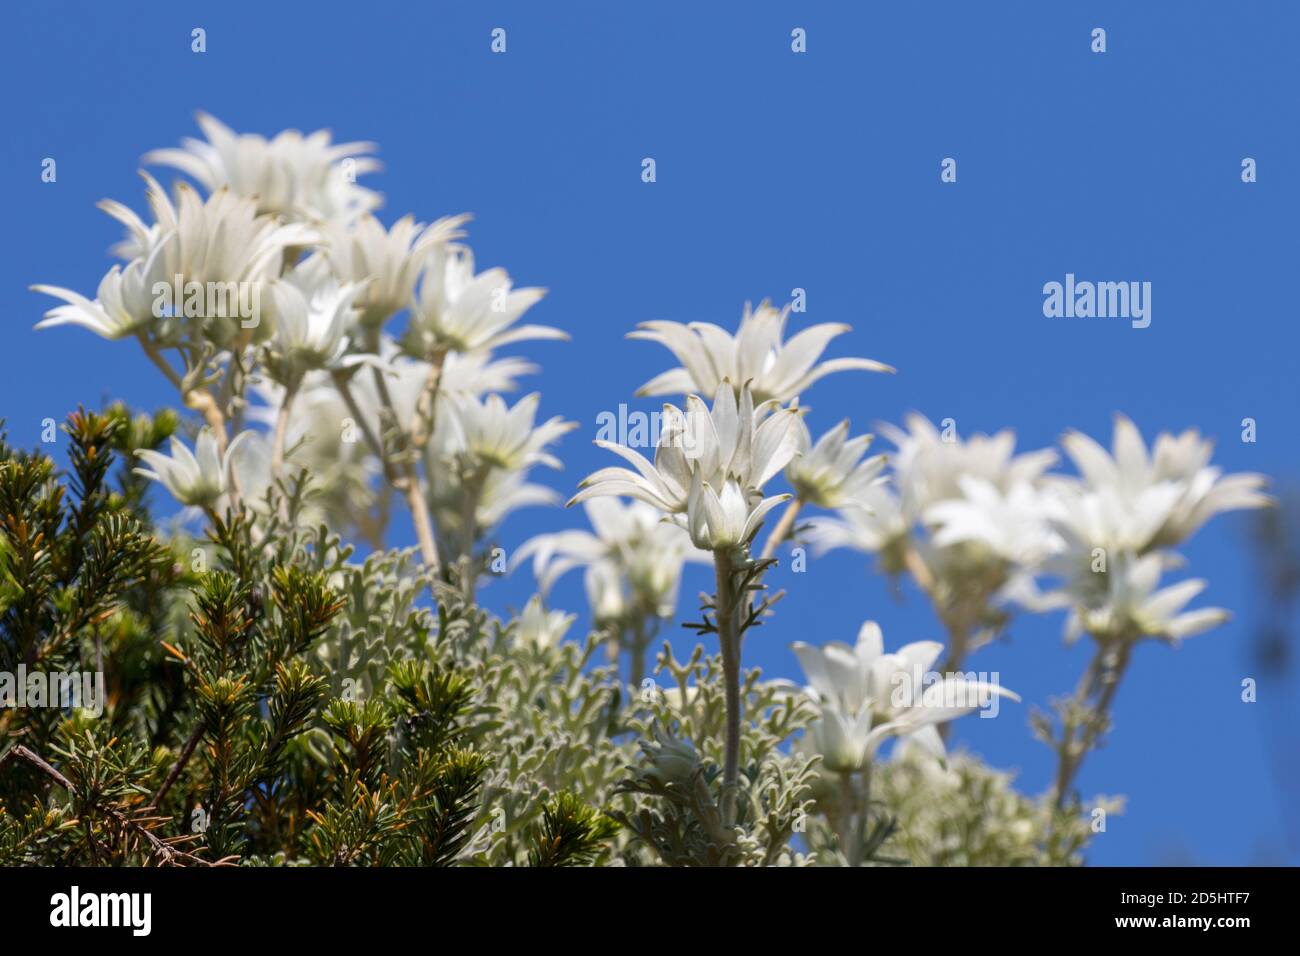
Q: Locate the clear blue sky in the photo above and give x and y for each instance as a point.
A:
(774, 171)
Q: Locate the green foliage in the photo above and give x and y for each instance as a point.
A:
(571, 833)
(680, 815)
(269, 700)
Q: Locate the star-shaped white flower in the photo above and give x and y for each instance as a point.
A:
(1158, 499)
(198, 477)
(754, 356)
(865, 696)
(540, 628)
(709, 468)
(456, 310)
(390, 260)
(301, 177)
(631, 555)
(830, 473)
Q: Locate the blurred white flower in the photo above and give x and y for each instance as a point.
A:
(313, 315)
(865, 696)
(475, 373)
(503, 492)
(633, 556)
(829, 473)
(456, 310)
(754, 356)
(1159, 499)
(390, 259)
(221, 240)
(541, 628)
(122, 306)
(710, 467)
(607, 592)
(195, 478)
(870, 522)
(407, 378)
(498, 491)
(1123, 602)
(222, 247)
(958, 512)
(486, 433)
(301, 177)
(1012, 524)
(929, 465)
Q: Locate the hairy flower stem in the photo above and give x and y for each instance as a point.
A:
(638, 643)
(958, 647)
(282, 431)
(368, 433)
(855, 811)
(848, 808)
(726, 606)
(471, 494)
(409, 485)
(427, 404)
(783, 527)
(1094, 696)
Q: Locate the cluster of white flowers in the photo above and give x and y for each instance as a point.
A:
(959, 511)
(271, 305)
(864, 696)
(267, 305)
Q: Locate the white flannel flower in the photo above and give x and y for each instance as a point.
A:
(929, 465)
(314, 315)
(478, 372)
(1166, 495)
(872, 521)
(829, 473)
(301, 177)
(223, 239)
(755, 355)
(504, 492)
(1124, 602)
(607, 595)
(1013, 524)
(198, 477)
(221, 245)
(123, 305)
(487, 433)
(407, 378)
(390, 259)
(540, 628)
(458, 311)
(482, 450)
(865, 696)
(632, 554)
(709, 469)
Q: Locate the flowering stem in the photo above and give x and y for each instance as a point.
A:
(471, 492)
(368, 433)
(848, 804)
(783, 527)
(637, 645)
(426, 407)
(1094, 696)
(420, 518)
(729, 639)
(282, 431)
(409, 484)
(855, 813)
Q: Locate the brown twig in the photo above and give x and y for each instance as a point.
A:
(163, 849)
(181, 761)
